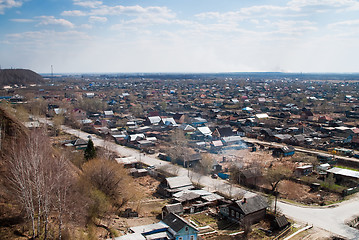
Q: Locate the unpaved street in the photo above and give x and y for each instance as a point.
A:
(329, 218)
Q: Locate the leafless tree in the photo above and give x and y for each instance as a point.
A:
(274, 176)
(206, 163)
(30, 176)
(63, 181)
(179, 146)
(110, 178)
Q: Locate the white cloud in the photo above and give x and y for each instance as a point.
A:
(22, 20)
(35, 38)
(136, 10)
(4, 4)
(76, 13)
(293, 27)
(250, 13)
(130, 14)
(93, 19)
(320, 3)
(349, 23)
(345, 29)
(266, 9)
(85, 26)
(88, 4)
(51, 20)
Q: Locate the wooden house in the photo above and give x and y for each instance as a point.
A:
(246, 211)
(176, 208)
(285, 151)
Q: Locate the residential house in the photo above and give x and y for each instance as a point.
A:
(172, 185)
(192, 160)
(216, 145)
(79, 114)
(128, 162)
(90, 95)
(179, 118)
(246, 211)
(176, 208)
(345, 175)
(203, 132)
(250, 177)
(233, 140)
(169, 122)
(172, 227)
(220, 132)
(261, 116)
(80, 143)
(267, 134)
(153, 120)
(198, 121)
(282, 137)
(284, 151)
(179, 228)
(108, 114)
(245, 131)
(298, 139)
(303, 170)
(307, 114)
(187, 128)
(32, 124)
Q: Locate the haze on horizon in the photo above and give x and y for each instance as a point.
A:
(180, 36)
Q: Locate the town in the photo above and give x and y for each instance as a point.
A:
(206, 156)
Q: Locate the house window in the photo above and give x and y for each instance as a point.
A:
(180, 238)
(192, 237)
(237, 214)
(186, 229)
(232, 213)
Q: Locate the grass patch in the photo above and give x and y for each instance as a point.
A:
(332, 187)
(345, 167)
(203, 219)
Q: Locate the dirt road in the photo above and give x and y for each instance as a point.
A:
(329, 218)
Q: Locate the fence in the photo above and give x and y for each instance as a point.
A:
(350, 191)
(284, 232)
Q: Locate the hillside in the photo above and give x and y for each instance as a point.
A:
(11, 130)
(10, 214)
(19, 76)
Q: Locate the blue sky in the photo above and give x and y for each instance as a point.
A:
(180, 36)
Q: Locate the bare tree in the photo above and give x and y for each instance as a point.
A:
(207, 163)
(30, 176)
(110, 178)
(63, 182)
(179, 150)
(274, 176)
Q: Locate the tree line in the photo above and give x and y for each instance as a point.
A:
(57, 197)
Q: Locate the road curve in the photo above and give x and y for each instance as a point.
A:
(329, 218)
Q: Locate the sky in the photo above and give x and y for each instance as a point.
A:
(94, 36)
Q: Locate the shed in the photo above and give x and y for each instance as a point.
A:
(281, 222)
(284, 151)
(172, 185)
(303, 170)
(176, 208)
